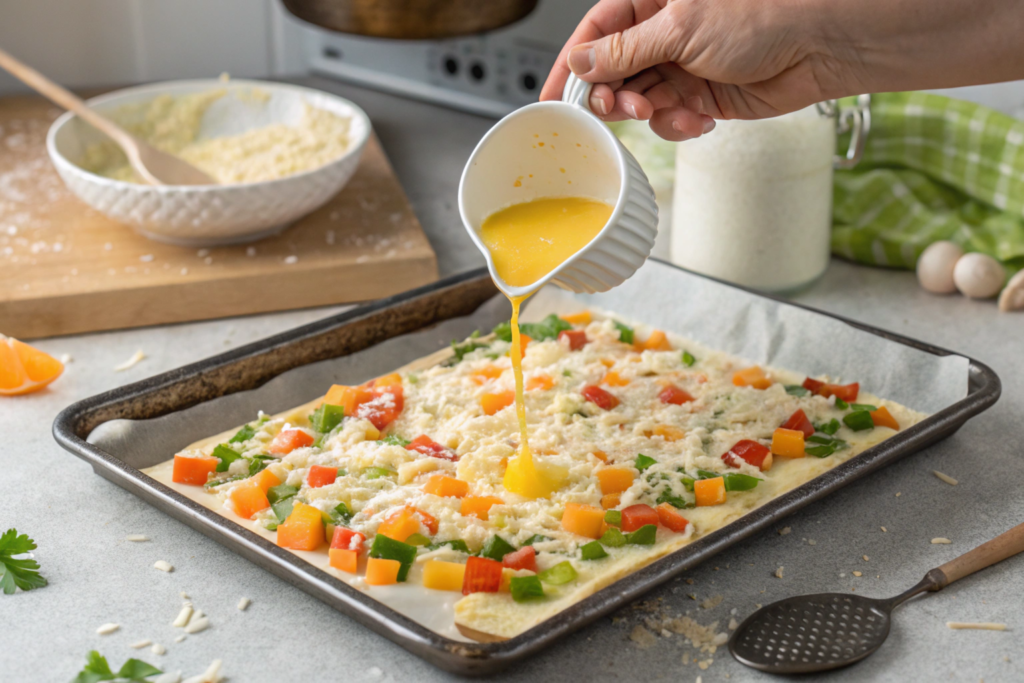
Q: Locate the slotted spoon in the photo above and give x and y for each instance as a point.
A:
(152, 165)
(813, 633)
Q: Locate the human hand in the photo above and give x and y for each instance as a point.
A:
(683, 64)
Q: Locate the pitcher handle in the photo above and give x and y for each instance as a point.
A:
(577, 92)
(858, 120)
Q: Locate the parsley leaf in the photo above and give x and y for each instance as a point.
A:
(14, 574)
(97, 669)
(243, 434)
(460, 351)
(226, 455)
(545, 329)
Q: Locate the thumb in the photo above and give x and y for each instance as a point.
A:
(621, 55)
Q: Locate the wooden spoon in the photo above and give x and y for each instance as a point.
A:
(152, 165)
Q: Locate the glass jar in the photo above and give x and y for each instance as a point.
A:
(753, 199)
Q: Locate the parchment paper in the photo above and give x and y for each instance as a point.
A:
(709, 313)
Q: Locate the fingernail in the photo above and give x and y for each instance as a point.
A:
(679, 129)
(709, 124)
(695, 104)
(631, 110)
(599, 106)
(582, 60)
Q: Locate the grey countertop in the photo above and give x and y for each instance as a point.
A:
(80, 520)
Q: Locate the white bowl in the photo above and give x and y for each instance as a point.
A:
(533, 153)
(210, 215)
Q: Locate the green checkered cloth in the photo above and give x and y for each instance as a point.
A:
(934, 168)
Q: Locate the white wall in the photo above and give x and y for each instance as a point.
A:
(100, 42)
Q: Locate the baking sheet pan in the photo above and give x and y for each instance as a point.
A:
(226, 390)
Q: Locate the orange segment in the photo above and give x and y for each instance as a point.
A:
(24, 369)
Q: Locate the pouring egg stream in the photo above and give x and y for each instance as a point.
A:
(527, 241)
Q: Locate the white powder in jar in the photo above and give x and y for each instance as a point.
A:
(753, 201)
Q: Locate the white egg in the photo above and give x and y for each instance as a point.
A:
(979, 276)
(935, 267)
(1012, 298)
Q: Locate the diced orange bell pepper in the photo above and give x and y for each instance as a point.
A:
(615, 479)
(668, 432)
(443, 576)
(381, 572)
(580, 318)
(611, 500)
(266, 480)
(446, 487)
(788, 443)
(486, 373)
(883, 418)
(583, 520)
(669, 518)
(600, 455)
(607, 362)
(194, 471)
(247, 499)
(303, 530)
(405, 522)
(483, 575)
(479, 506)
(348, 397)
(344, 559)
(288, 440)
(492, 403)
(657, 342)
(524, 341)
(319, 475)
(613, 379)
(751, 377)
(541, 382)
(346, 546)
(709, 491)
(391, 380)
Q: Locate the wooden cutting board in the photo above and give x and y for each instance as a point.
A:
(67, 269)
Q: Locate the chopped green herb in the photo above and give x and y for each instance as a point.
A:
(283, 508)
(545, 329)
(339, 515)
(613, 517)
(460, 351)
(645, 535)
(97, 669)
(243, 434)
(325, 418)
(280, 492)
(735, 481)
(592, 551)
(213, 483)
(859, 420)
(613, 538)
(455, 544)
(707, 474)
(841, 404)
(829, 445)
(863, 406)
(536, 538)
(14, 574)
(567, 373)
(271, 526)
(688, 359)
(377, 472)
(625, 332)
(525, 588)
(561, 573)
(226, 456)
(673, 500)
(496, 548)
(643, 462)
(796, 390)
(390, 549)
(687, 483)
(830, 427)
(258, 463)
(395, 440)
(418, 540)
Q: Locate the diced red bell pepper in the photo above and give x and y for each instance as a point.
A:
(319, 475)
(599, 397)
(346, 539)
(847, 392)
(577, 338)
(812, 385)
(288, 440)
(483, 575)
(524, 558)
(751, 452)
(671, 519)
(384, 407)
(636, 516)
(427, 446)
(674, 395)
(798, 421)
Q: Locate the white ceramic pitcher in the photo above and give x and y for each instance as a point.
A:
(561, 149)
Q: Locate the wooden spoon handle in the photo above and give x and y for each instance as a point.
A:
(999, 548)
(57, 94)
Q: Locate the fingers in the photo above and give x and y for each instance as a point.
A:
(680, 123)
(627, 52)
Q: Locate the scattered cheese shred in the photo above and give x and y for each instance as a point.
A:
(158, 649)
(941, 541)
(978, 626)
(163, 565)
(211, 675)
(136, 538)
(183, 616)
(131, 362)
(778, 573)
(107, 629)
(141, 644)
(244, 603)
(197, 625)
(945, 477)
